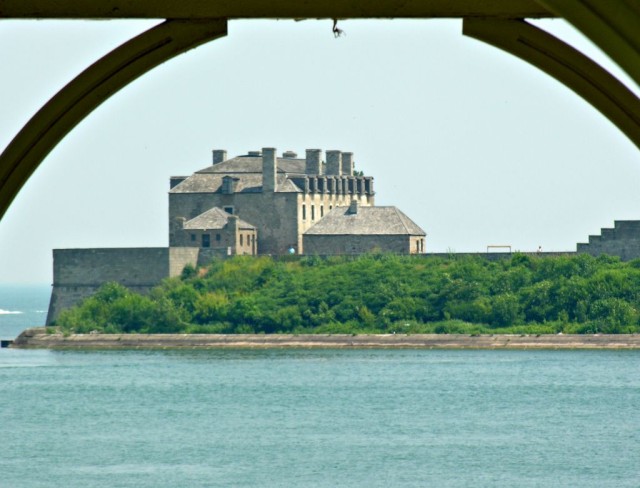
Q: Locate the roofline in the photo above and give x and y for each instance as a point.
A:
(361, 234)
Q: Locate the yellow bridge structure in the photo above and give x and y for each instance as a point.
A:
(613, 25)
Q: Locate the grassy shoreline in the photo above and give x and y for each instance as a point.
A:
(40, 338)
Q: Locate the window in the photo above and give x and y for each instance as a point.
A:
(248, 239)
(304, 212)
(321, 211)
(206, 240)
(229, 210)
(313, 212)
(418, 246)
(193, 238)
(241, 243)
(218, 237)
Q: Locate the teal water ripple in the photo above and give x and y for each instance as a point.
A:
(319, 418)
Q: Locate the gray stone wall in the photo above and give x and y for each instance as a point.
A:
(355, 244)
(179, 257)
(128, 266)
(186, 206)
(622, 240)
(274, 214)
(78, 273)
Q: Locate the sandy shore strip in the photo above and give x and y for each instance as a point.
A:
(39, 338)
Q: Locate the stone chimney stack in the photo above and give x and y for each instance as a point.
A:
(313, 162)
(347, 163)
(219, 155)
(232, 222)
(334, 163)
(269, 169)
(353, 207)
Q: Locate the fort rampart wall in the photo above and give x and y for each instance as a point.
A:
(78, 273)
(622, 240)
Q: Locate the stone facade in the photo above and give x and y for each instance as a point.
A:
(281, 197)
(622, 240)
(217, 229)
(357, 230)
(78, 273)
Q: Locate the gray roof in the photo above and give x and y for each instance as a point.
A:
(367, 221)
(253, 164)
(247, 183)
(214, 219)
(247, 170)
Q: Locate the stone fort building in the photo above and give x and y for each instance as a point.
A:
(256, 203)
(282, 199)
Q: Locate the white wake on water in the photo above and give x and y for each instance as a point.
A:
(9, 312)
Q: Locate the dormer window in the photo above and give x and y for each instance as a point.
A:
(229, 210)
(229, 185)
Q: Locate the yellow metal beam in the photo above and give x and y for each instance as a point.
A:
(614, 26)
(269, 9)
(569, 66)
(92, 87)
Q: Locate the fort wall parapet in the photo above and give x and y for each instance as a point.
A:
(79, 273)
(622, 240)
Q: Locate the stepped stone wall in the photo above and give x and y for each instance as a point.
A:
(622, 240)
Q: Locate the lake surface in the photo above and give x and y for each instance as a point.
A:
(21, 307)
(317, 418)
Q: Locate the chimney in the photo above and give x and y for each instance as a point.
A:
(219, 155)
(353, 207)
(269, 169)
(232, 228)
(289, 154)
(334, 163)
(313, 164)
(232, 223)
(347, 163)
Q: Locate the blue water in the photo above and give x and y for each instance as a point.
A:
(319, 418)
(21, 307)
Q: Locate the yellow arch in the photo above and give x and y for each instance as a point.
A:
(92, 87)
(612, 25)
(569, 66)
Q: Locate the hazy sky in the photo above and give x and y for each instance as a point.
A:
(476, 146)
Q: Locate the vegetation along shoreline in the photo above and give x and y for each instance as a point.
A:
(376, 294)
